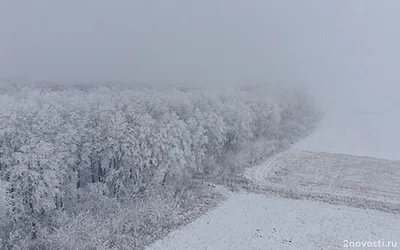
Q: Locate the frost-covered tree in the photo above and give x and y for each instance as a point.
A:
(68, 152)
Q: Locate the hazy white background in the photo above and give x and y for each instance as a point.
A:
(346, 49)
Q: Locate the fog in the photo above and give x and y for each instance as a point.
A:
(346, 50)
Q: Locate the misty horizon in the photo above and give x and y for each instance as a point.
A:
(337, 48)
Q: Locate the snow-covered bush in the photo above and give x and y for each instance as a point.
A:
(66, 151)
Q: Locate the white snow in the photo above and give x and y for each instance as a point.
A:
(334, 178)
(252, 221)
(360, 132)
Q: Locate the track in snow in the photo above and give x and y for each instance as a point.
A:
(333, 178)
(258, 173)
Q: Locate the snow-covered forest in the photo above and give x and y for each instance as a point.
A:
(105, 167)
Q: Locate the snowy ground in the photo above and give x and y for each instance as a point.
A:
(251, 221)
(361, 194)
(334, 178)
(361, 132)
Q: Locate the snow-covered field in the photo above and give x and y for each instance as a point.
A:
(337, 164)
(334, 178)
(361, 132)
(252, 221)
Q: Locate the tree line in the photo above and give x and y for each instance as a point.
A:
(60, 145)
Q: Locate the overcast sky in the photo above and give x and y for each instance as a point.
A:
(346, 43)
